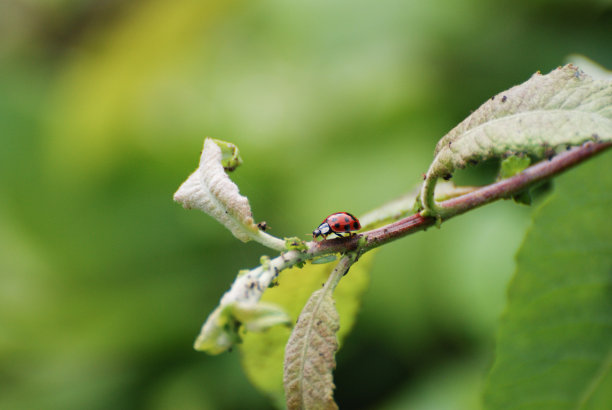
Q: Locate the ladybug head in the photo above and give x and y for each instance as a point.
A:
(322, 230)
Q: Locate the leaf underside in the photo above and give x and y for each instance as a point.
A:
(209, 189)
(310, 355)
(544, 115)
(554, 347)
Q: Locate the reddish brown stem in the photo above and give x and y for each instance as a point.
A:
(503, 189)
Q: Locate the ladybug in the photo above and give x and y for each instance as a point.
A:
(337, 223)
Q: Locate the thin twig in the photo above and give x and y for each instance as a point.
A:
(249, 287)
(503, 189)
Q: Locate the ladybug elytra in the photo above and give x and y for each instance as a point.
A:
(338, 223)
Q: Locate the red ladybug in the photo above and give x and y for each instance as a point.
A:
(337, 223)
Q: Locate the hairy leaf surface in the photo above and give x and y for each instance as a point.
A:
(545, 114)
(310, 354)
(210, 190)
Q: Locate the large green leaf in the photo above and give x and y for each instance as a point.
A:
(554, 347)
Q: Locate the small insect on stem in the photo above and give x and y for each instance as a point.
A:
(338, 223)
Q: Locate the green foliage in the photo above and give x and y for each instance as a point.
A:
(230, 155)
(295, 243)
(554, 344)
(511, 166)
(103, 106)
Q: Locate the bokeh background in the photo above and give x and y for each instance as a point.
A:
(335, 105)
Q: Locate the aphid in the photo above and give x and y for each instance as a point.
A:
(337, 223)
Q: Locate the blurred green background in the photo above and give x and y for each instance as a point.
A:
(105, 282)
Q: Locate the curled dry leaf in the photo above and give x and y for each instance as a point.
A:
(209, 189)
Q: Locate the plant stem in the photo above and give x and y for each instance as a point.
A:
(339, 271)
(250, 286)
(409, 225)
(503, 189)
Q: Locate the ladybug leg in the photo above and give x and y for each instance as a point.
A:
(338, 233)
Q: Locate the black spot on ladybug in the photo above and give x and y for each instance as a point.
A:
(504, 98)
(347, 227)
(355, 225)
(346, 219)
(337, 225)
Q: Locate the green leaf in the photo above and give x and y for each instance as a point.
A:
(554, 347)
(323, 259)
(295, 243)
(545, 114)
(513, 165)
(263, 353)
(230, 158)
